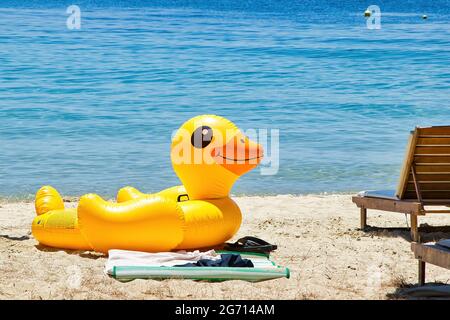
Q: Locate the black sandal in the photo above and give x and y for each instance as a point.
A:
(250, 244)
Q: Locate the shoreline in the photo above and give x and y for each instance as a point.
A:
(318, 239)
(69, 199)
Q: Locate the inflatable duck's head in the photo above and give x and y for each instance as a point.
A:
(209, 153)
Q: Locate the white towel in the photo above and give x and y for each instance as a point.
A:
(126, 258)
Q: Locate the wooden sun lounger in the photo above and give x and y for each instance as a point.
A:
(430, 253)
(424, 180)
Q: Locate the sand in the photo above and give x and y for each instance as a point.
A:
(318, 240)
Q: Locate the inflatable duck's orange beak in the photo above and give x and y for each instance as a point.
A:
(239, 155)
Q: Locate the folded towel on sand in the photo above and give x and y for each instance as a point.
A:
(127, 258)
(129, 265)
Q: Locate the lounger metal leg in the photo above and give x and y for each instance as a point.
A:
(421, 272)
(414, 229)
(363, 218)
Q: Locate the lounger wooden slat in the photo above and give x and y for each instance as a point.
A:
(435, 130)
(428, 196)
(442, 186)
(432, 169)
(433, 150)
(433, 141)
(442, 160)
(424, 179)
(437, 211)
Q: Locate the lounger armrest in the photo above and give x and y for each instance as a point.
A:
(432, 253)
(403, 206)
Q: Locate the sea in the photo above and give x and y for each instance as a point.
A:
(91, 91)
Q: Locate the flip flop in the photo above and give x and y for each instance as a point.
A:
(250, 244)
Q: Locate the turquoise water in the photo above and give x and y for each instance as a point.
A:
(93, 110)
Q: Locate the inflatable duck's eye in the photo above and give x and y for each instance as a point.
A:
(202, 137)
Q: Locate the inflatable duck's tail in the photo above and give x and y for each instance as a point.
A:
(48, 199)
(55, 226)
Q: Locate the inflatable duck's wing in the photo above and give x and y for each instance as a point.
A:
(151, 223)
(177, 193)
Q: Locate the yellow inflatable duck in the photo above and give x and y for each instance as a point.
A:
(209, 153)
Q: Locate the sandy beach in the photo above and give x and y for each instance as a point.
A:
(318, 240)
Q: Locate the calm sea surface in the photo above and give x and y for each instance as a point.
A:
(93, 110)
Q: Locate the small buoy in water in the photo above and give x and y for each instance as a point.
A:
(367, 13)
(424, 16)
